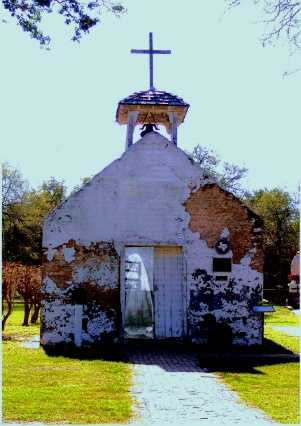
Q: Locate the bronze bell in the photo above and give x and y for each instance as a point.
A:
(147, 128)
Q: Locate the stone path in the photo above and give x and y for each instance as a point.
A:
(31, 343)
(170, 387)
(290, 330)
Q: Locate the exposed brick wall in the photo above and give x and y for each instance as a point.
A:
(212, 209)
(87, 276)
(61, 271)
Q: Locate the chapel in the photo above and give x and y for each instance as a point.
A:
(151, 245)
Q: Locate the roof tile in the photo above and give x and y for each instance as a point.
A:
(153, 97)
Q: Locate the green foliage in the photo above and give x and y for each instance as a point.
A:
(278, 209)
(13, 187)
(280, 214)
(80, 15)
(84, 181)
(54, 191)
(227, 175)
(23, 214)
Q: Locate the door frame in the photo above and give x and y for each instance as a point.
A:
(122, 285)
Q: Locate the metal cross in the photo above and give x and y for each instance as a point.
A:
(151, 53)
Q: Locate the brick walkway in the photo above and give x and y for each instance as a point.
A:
(169, 387)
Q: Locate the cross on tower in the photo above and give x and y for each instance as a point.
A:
(151, 53)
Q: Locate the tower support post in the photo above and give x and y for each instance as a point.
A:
(174, 127)
(132, 118)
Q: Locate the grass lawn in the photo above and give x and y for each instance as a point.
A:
(42, 388)
(289, 342)
(272, 388)
(282, 316)
(14, 326)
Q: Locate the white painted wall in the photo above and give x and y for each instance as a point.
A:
(138, 197)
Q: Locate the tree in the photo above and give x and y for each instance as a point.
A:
(23, 217)
(9, 289)
(24, 290)
(37, 203)
(83, 182)
(280, 214)
(55, 191)
(283, 19)
(228, 176)
(13, 187)
(29, 282)
(81, 15)
(36, 288)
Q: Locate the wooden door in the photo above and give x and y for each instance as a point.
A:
(168, 292)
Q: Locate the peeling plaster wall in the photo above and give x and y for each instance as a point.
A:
(148, 196)
(80, 275)
(216, 214)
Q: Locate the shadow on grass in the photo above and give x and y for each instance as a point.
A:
(106, 352)
(245, 359)
(241, 364)
(268, 347)
(172, 356)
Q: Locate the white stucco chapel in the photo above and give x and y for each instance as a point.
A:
(112, 275)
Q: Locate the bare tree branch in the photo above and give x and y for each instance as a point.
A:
(283, 19)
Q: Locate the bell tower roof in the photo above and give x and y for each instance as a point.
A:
(151, 106)
(153, 97)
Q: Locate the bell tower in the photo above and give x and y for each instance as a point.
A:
(151, 107)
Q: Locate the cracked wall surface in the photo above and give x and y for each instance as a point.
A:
(152, 195)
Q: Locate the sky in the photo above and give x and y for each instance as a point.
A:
(57, 107)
